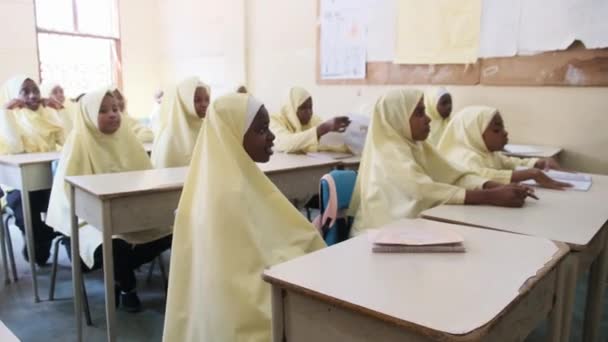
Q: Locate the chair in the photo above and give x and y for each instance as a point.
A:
(335, 192)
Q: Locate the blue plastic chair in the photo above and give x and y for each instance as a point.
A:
(335, 226)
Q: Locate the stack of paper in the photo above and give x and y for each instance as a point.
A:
(394, 238)
(579, 181)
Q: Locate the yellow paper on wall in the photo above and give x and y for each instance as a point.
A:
(438, 31)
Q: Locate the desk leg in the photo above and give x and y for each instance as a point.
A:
(557, 312)
(29, 239)
(278, 314)
(569, 292)
(76, 271)
(7, 277)
(595, 295)
(108, 272)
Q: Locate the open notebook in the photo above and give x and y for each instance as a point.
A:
(579, 181)
(396, 237)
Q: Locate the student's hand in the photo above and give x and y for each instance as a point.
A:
(15, 104)
(491, 185)
(52, 103)
(547, 163)
(511, 195)
(337, 124)
(547, 182)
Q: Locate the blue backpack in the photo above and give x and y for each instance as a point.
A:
(335, 191)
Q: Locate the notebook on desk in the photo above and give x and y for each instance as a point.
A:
(395, 238)
(579, 181)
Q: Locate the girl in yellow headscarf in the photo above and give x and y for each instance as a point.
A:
(401, 175)
(216, 292)
(438, 106)
(53, 92)
(99, 143)
(182, 115)
(299, 131)
(474, 140)
(143, 133)
(27, 125)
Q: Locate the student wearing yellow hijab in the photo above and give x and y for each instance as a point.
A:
(28, 125)
(216, 292)
(101, 144)
(401, 175)
(54, 95)
(438, 106)
(298, 130)
(143, 133)
(181, 119)
(475, 139)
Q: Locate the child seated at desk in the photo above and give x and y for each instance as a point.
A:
(474, 140)
(28, 124)
(182, 115)
(401, 175)
(298, 130)
(54, 92)
(143, 133)
(231, 224)
(100, 144)
(438, 106)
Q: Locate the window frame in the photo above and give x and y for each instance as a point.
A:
(117, 68)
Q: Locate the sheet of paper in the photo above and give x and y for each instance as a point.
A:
(381, 30)
(329, 155)
(343, 39)
(437, 31)
(548, 25)
(355, 134)
(499, 28)
(396, 233)
(579, 181)
(521, 149)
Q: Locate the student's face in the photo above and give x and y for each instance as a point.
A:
(108, 119)
(305, 111)
(30, 94)
(420, 124)
(201, 101)
(57, 94)
(258, 139)
(444, 106)
(120, 100)
(495, 136)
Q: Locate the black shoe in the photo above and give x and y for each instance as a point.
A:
(129, 302)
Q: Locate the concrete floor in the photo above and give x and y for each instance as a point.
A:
(54, 321)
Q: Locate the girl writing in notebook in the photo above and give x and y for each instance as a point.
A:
(298, 130)
(438, 106)
(100, 143)
(216, 292)
(28, 124)
(401, 175)
(182, 115)
(475, 139)
(143, 133)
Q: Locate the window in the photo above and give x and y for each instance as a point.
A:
(78, 43)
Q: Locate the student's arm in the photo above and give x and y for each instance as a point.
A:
(10, 138)
(511, 163)
(539, 177)
(293, 142)
(511, 195)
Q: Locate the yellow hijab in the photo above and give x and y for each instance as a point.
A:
(179, 126)
(289, 111)
(216, 292)
(24, 130)
(438, 123)
(399, 177)
(67, 113)
(463, 144)
(88, 151)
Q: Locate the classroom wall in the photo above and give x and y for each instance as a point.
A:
(204, 38)
(282, 39)
(18, 51)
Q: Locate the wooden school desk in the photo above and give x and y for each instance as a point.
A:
(6, 335)
(573, 217)
(28, 172)
(525, 151)
(135, 201)
(500, 289)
